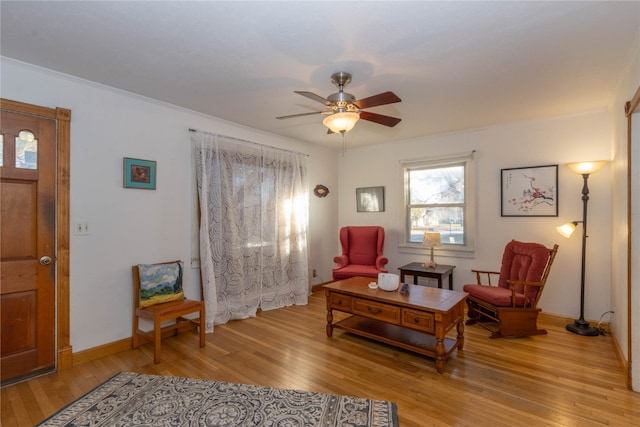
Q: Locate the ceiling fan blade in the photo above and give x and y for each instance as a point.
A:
(302, 114)
(313, 96)
(375, 100)
(379, 118)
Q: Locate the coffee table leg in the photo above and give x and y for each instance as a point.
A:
(440, 355)
(329, 322)
(460, 329)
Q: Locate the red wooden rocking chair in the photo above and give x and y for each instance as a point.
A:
(510, 308)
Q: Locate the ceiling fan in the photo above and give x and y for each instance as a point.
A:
(344, 110)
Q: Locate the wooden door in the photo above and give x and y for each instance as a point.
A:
(27, 245)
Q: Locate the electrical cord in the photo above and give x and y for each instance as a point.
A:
(599, 327)
(317, 279)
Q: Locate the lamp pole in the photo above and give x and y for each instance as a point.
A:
(581, 326)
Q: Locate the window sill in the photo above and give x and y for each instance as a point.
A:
(462, 252)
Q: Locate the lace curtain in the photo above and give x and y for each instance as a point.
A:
(253, 226)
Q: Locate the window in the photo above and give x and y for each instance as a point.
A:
(26, 150)
(438, 198)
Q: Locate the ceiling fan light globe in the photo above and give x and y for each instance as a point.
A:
(341, 122)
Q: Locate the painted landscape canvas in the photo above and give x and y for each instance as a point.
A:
(160, 283)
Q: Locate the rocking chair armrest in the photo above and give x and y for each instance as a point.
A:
(488, 273)
(513, 283)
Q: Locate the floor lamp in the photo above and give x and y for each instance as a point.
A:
(581, 326)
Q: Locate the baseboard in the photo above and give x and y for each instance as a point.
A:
(117, 346)
(101, 351)
(318, 287)
(65, 358)
(624, 364)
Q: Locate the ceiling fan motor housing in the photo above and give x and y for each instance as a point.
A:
(341, 79)
(342, 100)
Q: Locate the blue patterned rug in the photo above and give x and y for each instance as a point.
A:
(130, 399)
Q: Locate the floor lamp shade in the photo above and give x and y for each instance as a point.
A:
(566, 230)
(587, 167)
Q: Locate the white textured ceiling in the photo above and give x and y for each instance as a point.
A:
(455, 65)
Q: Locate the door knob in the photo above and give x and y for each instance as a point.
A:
(45, 260)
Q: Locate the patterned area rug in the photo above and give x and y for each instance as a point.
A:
(130, 399)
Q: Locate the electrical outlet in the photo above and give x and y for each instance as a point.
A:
(81, 228)
(314, 273)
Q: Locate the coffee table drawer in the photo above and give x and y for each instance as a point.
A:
(340, 302)
(418, 320)
(375, 310)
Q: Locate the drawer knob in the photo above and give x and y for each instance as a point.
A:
(374, 310)
(417, 320)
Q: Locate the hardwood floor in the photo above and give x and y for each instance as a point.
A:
(548, 380)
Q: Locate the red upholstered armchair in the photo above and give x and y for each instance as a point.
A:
(361, 252)
(510, 308)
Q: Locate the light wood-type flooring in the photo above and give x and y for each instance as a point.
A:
(559, 379)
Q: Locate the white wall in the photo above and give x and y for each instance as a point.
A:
(542, 142)
(131, 226)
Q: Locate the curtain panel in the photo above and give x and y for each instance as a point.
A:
(253, 226)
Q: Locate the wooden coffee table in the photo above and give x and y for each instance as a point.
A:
(417, 321)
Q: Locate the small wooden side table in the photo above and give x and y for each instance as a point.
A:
(416, 270)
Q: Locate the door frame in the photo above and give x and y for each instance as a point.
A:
(631, 107)
(62, 116)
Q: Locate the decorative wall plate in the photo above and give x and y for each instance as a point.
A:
(321, 190)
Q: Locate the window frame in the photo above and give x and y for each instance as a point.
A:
(470, 193)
